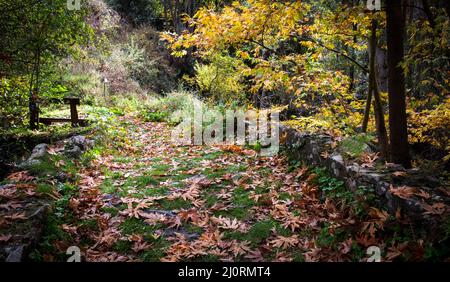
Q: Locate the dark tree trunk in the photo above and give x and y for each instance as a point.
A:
(166, 18)
(34, 92)
(395, 30)
(367, 109)
(377, 104)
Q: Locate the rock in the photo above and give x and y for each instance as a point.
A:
(163, 212)
(82, 142)
(337, 165)
(39, 153)
(308, 147)
(73, 152)
(110, 200)
(76, 145)
(169, 232)
(382, 188)
(62, 177)
(15, 253)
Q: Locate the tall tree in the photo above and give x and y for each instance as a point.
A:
(395, 30)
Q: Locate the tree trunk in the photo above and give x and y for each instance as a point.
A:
(367, 109)
(395, 31)
(34, 90)
(377, 105)
(166, 19)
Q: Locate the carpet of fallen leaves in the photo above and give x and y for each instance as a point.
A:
(147, 199)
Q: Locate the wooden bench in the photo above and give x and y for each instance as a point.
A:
(73, 102)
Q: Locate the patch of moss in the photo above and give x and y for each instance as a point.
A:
(175, 204)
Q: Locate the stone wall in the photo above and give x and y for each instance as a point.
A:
(310, 148)
(25, 234)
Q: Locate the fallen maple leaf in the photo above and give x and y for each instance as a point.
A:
(369, 159)
(403, 192)
(228, 224)
(233, 149)
(284, 242)
(346, 246)
(254, 256)
(423, 194)
(153, 218)
(5, 238)
(436, 209)
(239, 248)
(381, 215)
(26, 186)
(395, 251)
(16, 216)
(189, 215)
(10, 205)
(399, 173)
(21, 176)
(283, 257)
(140, 246)
(325, 155)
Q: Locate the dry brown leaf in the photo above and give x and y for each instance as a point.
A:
(284, 242)
(16, 216)
(435, 209)
(21, 176)
(5, 238)
(403, 192)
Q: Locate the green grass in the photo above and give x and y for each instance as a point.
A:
(152, 192)
(142, 181)
(241, 198)
(44, 188)
(110, 210)
(123, 160)
(122, 246)
(176, 204)
(192, 228)
(156, 116)
(136, 226)
(258, 232)
(107, 187)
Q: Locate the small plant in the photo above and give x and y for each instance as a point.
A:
(156, 116)
(355, 146)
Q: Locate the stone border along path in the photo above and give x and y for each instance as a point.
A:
(149, 200)
(419, 195)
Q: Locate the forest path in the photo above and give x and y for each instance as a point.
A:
(151, 200)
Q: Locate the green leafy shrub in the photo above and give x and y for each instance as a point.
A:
(156, 116)
(356, 145)
(219, 79)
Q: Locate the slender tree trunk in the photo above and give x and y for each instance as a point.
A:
(395, 31)
(377, 104)
(367, 109)
(380, 122)
(34, 90)
(32, 103)
(166, 20)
